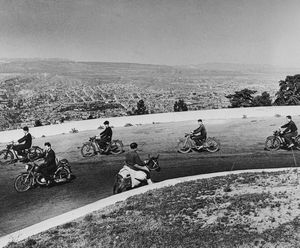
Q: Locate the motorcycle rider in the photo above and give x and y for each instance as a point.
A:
(49, 166)
(290, 131)
(137, 168)
(105, 136)
(199, 135)
(27, 138)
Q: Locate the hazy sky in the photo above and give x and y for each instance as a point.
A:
(153, 31)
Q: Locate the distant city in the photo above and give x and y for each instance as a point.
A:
(43, 92)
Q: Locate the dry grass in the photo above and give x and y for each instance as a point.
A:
(259, 210)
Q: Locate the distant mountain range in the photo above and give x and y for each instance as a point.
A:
(65, 66)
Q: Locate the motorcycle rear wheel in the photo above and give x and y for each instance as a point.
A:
(23, 182)
(212, 145)
(88, 150)
(184, 146)
(62, 175)
(272, 143)
(116, 147)
(6, 157)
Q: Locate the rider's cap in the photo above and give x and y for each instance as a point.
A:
(26, 129)
(289, 117)
(200, 120)
(47, 144)
(133, 145)
(106, 123)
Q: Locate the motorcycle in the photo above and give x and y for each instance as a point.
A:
(123, 179)
(276, 141)
(91, 148)
(185, 145)
(9, 155)
(32, 177)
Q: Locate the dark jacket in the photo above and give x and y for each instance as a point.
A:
(290, 127)
(133, 158)
(27, 139)
(49, 157)
(200, 131)
(106, 134)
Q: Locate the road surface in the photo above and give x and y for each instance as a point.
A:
(242, 147)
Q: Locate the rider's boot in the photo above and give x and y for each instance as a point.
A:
(291, 145)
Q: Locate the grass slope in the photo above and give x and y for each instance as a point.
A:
(245, 210)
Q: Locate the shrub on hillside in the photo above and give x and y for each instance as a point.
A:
(140, 109)
(245, 98)
(263, 100)
(38, 123)
(180, 105)
(74, 130)
(128, 125)
(289, 91)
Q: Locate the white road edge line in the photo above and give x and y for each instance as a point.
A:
(82, 211)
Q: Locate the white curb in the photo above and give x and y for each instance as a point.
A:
(82, 211)
(209, 114)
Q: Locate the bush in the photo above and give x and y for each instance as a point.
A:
(128, 125)
(140, 108)
(263, 100)
(88, 218)
(180, 106)
(244, 98)
(30, 242)
(277, 115)
(74, 130)
(38, 123)
(289, 91)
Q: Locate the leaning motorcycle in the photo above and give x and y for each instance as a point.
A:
(9, 155)
(276, 141)
(123, 179)
(185, 145)
(91, 148)
(32, 177)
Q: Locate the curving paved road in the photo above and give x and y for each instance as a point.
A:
(95, 175)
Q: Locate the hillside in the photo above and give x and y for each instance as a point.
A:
(245, 210)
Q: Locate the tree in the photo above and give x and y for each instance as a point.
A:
(242, 98)
(38, 123)
(180, 106)
(289, 91)
(263, 100)
(140, 108)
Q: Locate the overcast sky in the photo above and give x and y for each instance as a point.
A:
(153, 31)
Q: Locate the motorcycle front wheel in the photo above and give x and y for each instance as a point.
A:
(184, 146)
(120, 185)
(23, 182)
(272, 143)
(212, 145)
(116, 147)
(88, 150)
(36, 152)
(6, 157)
